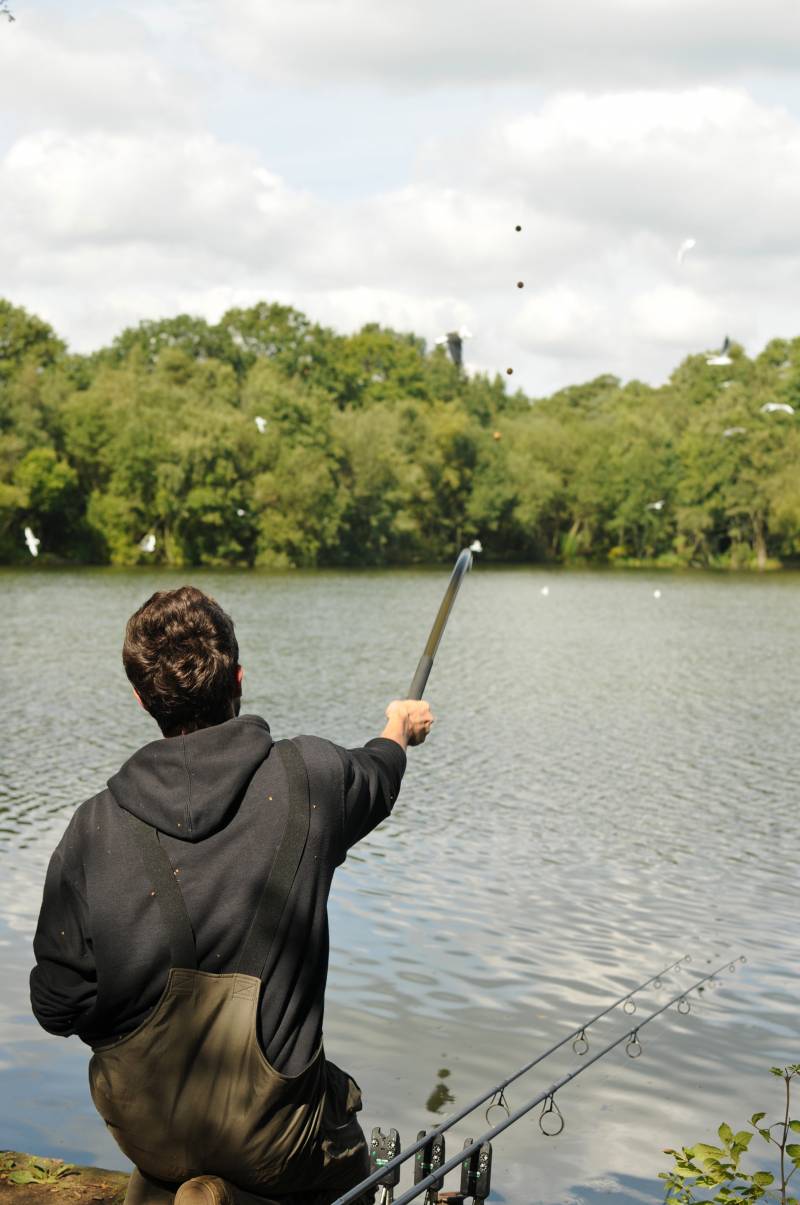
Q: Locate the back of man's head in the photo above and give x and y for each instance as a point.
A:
(182, 658)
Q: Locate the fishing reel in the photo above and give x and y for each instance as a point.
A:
(382, 1149)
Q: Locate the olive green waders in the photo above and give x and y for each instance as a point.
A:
(190, 1092)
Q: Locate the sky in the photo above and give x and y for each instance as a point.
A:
(368, 161)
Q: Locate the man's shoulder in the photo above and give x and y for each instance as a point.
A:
(323, 759)
(91, 816)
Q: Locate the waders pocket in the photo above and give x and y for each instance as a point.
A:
(342, 1097)
(340, 1131)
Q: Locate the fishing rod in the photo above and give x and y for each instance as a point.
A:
(462, 566)
(633, 1048)
(577, 1035)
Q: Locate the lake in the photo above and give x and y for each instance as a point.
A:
(611, 784)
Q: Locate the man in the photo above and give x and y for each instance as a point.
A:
(184, 936)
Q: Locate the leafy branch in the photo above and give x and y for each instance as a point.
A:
(703, 1166)
(5, 11)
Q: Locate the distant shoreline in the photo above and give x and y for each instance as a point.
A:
(618, 568)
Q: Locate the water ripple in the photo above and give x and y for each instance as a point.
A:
(610, 785)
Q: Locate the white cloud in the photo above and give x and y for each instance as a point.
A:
(165, 189)
(676, 316)
(88, 71)
(606, 43)
(110, 212)
(659, 161)
(562, 321)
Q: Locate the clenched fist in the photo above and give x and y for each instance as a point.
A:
(408, 721)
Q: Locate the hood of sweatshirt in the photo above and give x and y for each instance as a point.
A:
(186, 786)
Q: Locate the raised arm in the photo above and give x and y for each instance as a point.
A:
(372, 775)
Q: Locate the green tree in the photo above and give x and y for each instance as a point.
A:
(50, 500)
(279, 333)
(24, 338)
(196, 338)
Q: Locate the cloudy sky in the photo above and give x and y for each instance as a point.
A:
(368, 160)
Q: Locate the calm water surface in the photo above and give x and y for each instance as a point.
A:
(612, 783)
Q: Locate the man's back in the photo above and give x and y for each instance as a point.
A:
(218, 799)
(184, 932)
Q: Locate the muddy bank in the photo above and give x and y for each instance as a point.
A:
(31, 1180)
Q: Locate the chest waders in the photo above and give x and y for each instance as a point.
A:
(190, 1092)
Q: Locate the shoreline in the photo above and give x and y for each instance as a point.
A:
(617, 567)
(31, 1180)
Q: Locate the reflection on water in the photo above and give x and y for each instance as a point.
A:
(611, 784)
(441, 1094)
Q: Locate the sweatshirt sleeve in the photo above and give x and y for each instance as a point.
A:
(64, 981)
(372, 778)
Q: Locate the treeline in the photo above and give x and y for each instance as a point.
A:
(267, 439)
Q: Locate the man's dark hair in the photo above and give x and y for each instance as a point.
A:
(180, 654)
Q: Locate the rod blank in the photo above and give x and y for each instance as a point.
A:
(462, 566)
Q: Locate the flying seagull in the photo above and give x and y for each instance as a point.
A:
(658, 505)
(261, 423)
(455, 344)
(148, 542)
(32, 541)
(720, 359)
(729, 431)
(686, 246)
(777, 408)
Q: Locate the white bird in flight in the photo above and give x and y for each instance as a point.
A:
(685, 247)
(148, 542)
(720, 359)
(777, 408)
(729, 431)
(261, 423)
(240, 511)
(657, 505)
(32, 541)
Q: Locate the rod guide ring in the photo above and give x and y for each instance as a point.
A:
(633, 1047)
(581, 1043)
(498, 1101)
(551, 1119)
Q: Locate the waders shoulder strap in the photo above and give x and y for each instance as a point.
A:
(180, 936)
(275, 895)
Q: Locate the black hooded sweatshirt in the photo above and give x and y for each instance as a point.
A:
(219, 800)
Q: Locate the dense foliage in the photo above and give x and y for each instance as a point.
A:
(268, 440)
